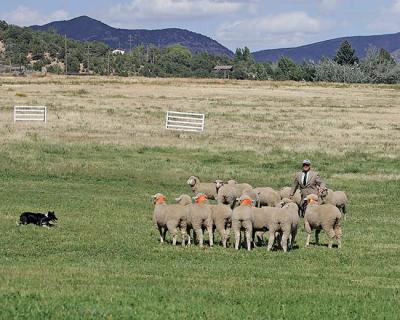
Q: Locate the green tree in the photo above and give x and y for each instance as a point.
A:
(346, 54)
(243, 55)
(287, 69)
(385, 57)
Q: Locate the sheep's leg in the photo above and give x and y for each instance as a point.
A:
(284, 242)
(210, 235)
(308, 240)
(171, 226)
(223, 234)
(308, 230)
(236, 226)
(271, 239)
(189, 238)
(184, 235)
(317, 232)
(162, 237)
(249, 238)
(331, 235)
(293, 238)
(248, 228)
(199, 236)
(338, 235)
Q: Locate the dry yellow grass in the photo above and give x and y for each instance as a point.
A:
(240, 115)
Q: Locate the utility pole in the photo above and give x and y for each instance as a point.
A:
(130, 39)
(108, 62)
(88, 56)
(66, 56)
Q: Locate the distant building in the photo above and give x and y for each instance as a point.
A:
(225, 70)
(118, 51)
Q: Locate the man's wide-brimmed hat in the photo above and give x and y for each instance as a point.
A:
(306, 162)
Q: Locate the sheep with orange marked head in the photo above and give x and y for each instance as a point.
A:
(199, 217)
(169, 217)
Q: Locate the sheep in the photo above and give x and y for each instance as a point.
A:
(220, 214)
(293, 211)
(285, 194)
(184, 200)
(221, 218)
(227, 193)
(207, 188)
(242, 219)
(266, 197)
(200, 216)
(337, 198)
(276, 220)
(322, 217)
(169, 217)
(240, 186)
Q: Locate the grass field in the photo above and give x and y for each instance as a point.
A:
(104, 153)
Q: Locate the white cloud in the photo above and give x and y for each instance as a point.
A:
(25, 16)
(396, 6)
(329, 4)
(155, 10)
(387, 19)
(286, 29)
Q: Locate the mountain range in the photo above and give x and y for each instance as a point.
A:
(328, 48)
(87, 29)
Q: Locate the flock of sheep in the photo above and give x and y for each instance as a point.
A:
(240, 207)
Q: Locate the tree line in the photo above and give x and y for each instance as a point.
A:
(35, 50)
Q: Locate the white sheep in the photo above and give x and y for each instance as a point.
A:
(200, 216)
(242, 187)
(169, 218)
(220, 214)
(207, 188)
(221, 217)
(242, 219)
(263, 197)
(285, 194)
(322, 217)
(293, 212)
(337, 198)
(227, 193)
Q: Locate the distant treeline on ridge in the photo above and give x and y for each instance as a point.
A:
(28, 50)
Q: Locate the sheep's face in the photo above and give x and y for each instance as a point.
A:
(200, 198)
(322, 192)
(312, 199)
(159, 198)
(192, 181)
(245, 200)
(218, 184)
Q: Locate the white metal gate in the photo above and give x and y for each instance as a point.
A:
(184, 121)
(30, 113)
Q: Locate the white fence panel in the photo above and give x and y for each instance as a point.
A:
(30, 113)
(184, 121)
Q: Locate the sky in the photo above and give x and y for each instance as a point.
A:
(257, 24)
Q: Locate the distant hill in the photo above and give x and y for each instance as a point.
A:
(315, 51)
(87, 29)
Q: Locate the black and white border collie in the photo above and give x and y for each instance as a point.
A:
(39, 219)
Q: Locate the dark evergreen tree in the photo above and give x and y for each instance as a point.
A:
(346, 54)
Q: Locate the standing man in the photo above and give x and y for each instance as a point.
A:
(309, 182)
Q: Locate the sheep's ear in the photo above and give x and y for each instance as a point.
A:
(178, 199)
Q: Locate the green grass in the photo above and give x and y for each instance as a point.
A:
(104, 259)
